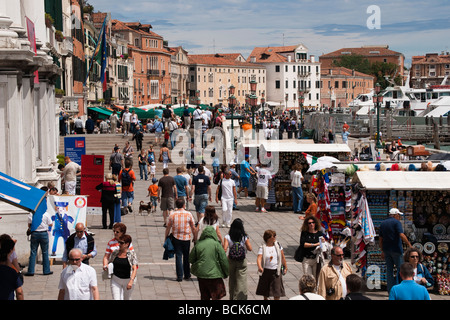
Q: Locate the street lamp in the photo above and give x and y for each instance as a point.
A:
(253, 103)
(377, 100)
(197, 100)
(231, 104)
(263, 102)
(301, 100)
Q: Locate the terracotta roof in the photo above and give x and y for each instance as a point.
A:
(431, 59)
(271, 54)
(133, 26)
(342, 71)
(226, 59)
(364, 51)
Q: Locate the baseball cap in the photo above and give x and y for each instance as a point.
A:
(154, 180)
(395, 211)
(116, 148)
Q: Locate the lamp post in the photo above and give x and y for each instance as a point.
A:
(253, 103)
(263, 102)
(301, 100)
(197, 100)
(231, 104)
(377, 100)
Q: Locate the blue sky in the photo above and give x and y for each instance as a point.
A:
(208, 26)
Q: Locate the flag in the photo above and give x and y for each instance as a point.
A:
(100, 55)
(309, 158)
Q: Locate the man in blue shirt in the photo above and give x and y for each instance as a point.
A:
(82, 240)
(408, 289)
(181, 184)
(245, 174)
(390, 240)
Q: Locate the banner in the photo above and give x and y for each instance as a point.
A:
(92, 172)
(65, 212)
(75, 147)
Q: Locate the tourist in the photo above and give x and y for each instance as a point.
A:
(182, 185)
(237, 243)
(264, 181)
(108, 199)
(167, 193)
(125, 266)
(11, 282)
(126, 121)
(331, 284)
(201, 189)
(312, 208)
(70, 173)
(245, 174)
(82, 240)
(119, 230)
(181, 223)
(78, 281)
(226, 193)
(142, 159)
(127, 178)
(164, 155)
(153, 194)
(138, 135)
(271, 267)
(310, 244)
(354, 284)
(421, 274)
(391, 236)
(209, 219)
(158, 128)
(116, 161)
(210, 265)
(307, 289)
(408, 289)
(297, 191)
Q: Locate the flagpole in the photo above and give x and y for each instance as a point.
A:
(95, 50)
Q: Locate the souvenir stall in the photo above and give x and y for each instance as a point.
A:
(423, 197)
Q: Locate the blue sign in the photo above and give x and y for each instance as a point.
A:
(75, 147)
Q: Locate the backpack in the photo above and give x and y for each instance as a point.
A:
(126, 178)
(216, 177)
(237, 251)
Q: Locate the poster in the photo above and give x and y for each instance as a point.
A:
(92, 172)
(66, 212)
(75, 147)
(337, 209)
(32, 38)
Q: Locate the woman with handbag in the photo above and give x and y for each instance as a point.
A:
(164, 156)
(310, 240)
(125, 267)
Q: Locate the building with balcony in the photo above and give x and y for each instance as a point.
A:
(179, 74)
(151, 62)
(211, 75)
(289, 71)
(430, 69)
(340, 86)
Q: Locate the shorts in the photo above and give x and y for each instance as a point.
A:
(200, 202)
(70, 187)
(262, 192)
(245, 182)
(167, 204)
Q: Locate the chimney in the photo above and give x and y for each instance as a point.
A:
(253, 59)
(312, 58)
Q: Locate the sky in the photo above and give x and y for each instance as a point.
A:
(411, 27)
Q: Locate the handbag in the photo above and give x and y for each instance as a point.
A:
(298, 255)
(160, 158)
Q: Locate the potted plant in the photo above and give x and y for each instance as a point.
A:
(59, 36)
(59, 93)
(48, 20)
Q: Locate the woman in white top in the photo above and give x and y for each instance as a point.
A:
(238, 244)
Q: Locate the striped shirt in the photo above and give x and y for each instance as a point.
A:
(182, 223)
(113, 245)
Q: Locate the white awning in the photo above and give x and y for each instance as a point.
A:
(298, 145)
(404, 180)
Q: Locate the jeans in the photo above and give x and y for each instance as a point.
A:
(297, 195)
(39, 239)
(182, 265)
(392, 259)
(143, 170)
(127, 198)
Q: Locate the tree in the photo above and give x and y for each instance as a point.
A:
(355, 62)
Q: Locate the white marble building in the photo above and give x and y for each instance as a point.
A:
(29, 133)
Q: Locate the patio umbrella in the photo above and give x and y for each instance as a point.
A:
(320, 165)
(328, 158)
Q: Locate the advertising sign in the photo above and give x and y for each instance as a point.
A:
(92, 172)
(74, 147)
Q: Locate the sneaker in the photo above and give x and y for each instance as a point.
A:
(130, 208)
(257, 209)
(263, 210)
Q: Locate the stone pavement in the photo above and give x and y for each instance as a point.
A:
(156, 279)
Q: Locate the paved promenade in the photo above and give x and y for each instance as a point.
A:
(156, 278)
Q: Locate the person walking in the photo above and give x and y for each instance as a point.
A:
(237, 243)
(201, 189)
(138, 136)
(307, 288)
(297, 192)
(108, 199)
(142, 159)
(331, 283)
(164, 155)
(82, 240)
(167, 193)
(264, 181)
(245, 173)
(181, 185)
(210, 265)
(271, 267)
(408, 289)
(127, 177)
(209, 219)
(310, 240)
(78, 281)
(312, 208)
(119, 230)
(70, 173)
(116, 161)
(113, 120)
(226, 193)
(354, 284)
(181, 223)
(391, 236)
(158, 127)
(187, 117)
(126, 121)
(125, 266)
(421, 274)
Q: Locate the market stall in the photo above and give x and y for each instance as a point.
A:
(424, 198)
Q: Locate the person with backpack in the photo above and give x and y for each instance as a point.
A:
(237, 243)
(127, 178)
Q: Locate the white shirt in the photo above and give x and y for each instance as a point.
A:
(296, 179)
(46, 221)
(126, 116)
(227, 189)
(309, 295)
(78, 284)
(264, 176)
(342, 280)
(270, 256)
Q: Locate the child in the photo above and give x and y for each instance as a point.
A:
(272, 264)
(152, 170)
(166, 136)
(153, 193)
